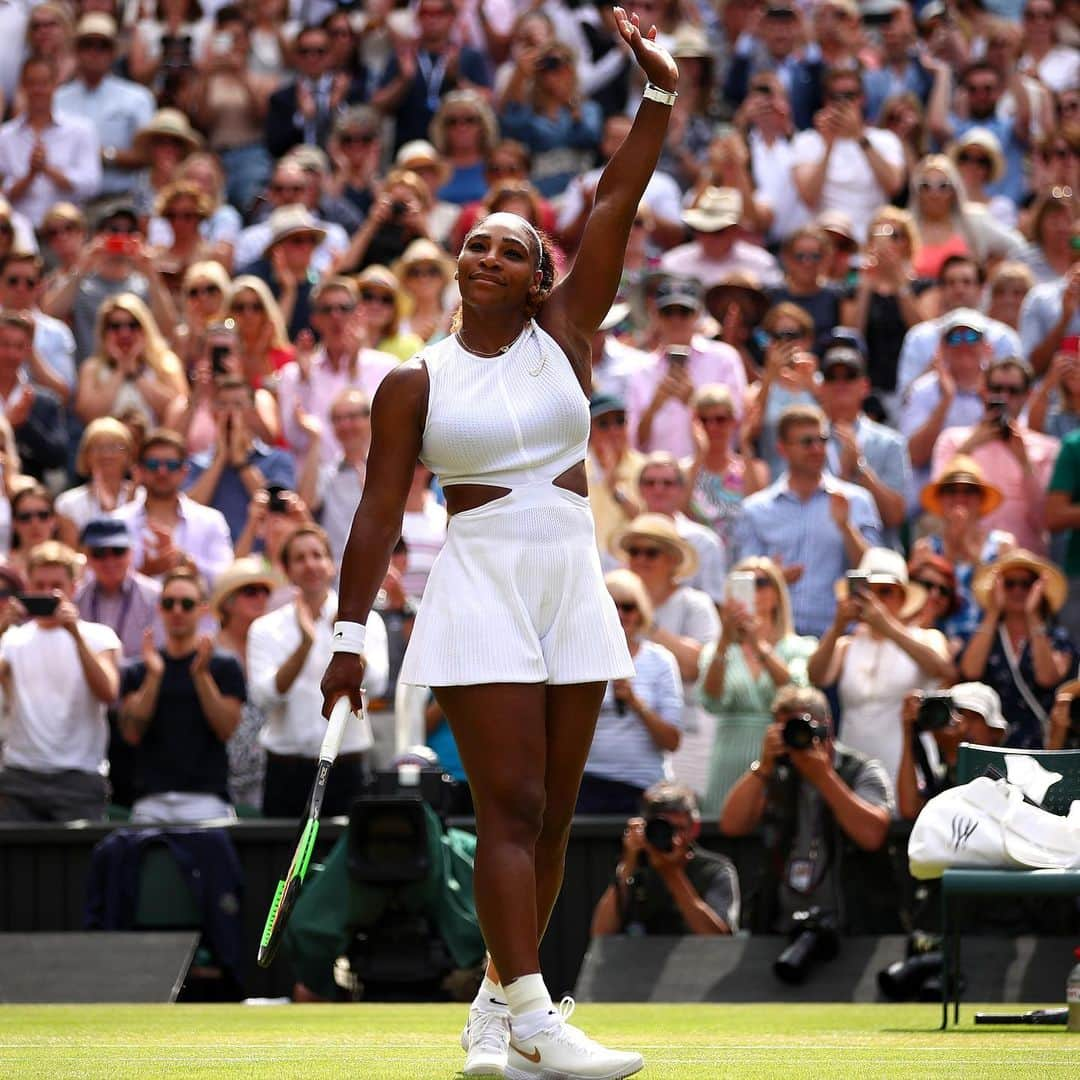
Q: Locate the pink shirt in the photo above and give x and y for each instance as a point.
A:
(710, 362)
(1023, 510)
(317, 395)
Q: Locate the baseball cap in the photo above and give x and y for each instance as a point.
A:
(678, 292)
(843, 354)
(967, 317)
(105, 532)
(599, 404)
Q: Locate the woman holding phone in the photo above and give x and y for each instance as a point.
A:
(757, 653)
(516, 634)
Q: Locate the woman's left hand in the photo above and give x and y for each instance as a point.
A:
(659, 67)
(1033, 603)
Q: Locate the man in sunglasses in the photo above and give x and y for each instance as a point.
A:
(1020, 460)
(860, 450)
(612, 468)
(178, 707)
(304, 110)
(950, 393)
(59, 674)
(167, 528)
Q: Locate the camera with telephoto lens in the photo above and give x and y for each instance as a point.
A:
(815, 939)
(803, 730)
(660, 833)
(1074, 717)
(935, 711)
(904, 979)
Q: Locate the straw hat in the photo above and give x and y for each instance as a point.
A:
(292, 220)
(423, 250)
(961, 470)
(171, 123)
(660, 530)
(250, 570)
(984, 139)
(744, 289)
(717, 208)
(1055, 588)
(421, 152)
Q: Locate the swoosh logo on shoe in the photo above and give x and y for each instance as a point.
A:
(534, 1057)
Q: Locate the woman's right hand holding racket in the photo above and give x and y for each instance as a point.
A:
(343, 677)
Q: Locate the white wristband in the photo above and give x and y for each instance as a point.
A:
(659, 94)
(349, 637)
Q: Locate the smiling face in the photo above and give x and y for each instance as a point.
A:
(499, 264)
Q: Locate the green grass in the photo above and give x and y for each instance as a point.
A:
(419, 1042)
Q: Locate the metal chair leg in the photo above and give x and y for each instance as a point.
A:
(956, 974)
(944, 960)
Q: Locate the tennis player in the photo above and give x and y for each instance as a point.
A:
(517, 635)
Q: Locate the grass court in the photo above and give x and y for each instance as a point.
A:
(419, 1042)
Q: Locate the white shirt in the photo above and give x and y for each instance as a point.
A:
(294, 721)
(711, 573)
(56, 722)
(55, 344)
(71, 146)
(117, 108)
(771, 169)
(14, 15)
(662, 196)
(201, 533)
(690, 260)
(850, 184)
(424, 532)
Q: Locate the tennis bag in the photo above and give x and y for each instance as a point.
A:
(988, 824)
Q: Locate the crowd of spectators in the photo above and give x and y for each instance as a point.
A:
(842, 370)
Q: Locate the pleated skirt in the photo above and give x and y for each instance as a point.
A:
(517, 595)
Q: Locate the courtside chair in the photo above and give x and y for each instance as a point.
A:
(971, 762)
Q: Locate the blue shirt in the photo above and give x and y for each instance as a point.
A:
(886, 453)
(561, 146)
(465, 186)
(1040, 312)
(1012, 184)
(777, 522)
(231, 497)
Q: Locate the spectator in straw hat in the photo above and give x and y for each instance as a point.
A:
(1018, 648)
(118, 108)
(161, 145)
(958, 500)
(383, 304)
(719, 245)
(684, 620)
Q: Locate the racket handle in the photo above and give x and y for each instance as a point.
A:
(335, 728)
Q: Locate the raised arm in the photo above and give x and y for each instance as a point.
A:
(584, 296)
(397, 422)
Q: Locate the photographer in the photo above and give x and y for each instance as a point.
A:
(1065, 718)
(969, 712)
(819, 802)
(664, 883)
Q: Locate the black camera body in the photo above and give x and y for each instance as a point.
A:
(997, 409)
(398, 209)
(935, 711)
(803, 730)
(660, 833)
(815, 939)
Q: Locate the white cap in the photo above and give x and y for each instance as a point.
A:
(982, 699)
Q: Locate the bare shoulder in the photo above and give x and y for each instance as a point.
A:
(403, 391)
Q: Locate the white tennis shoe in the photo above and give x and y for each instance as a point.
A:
(486, 1041)
(564, 1052)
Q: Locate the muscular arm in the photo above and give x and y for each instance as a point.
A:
(397, 420)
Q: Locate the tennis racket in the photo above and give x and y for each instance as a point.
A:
(288, 888)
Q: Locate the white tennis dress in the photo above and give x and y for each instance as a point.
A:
(517, 593)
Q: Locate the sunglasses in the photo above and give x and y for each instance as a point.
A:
(763, 581)
(944, 591)
(676, 311)
(806, 256)
(936, 186)
(644, 552)
(311, 50)
(840, 373)
(787, 335)
(455, 121)
(716, 418)
(182, 215)
(658, 481)
(762, 88)
(246, 307)
(358, 414)
(185, 602)
(627, 607)
(335, 309)
(429, 270)
(156, 464)
(612, 420)
(981, 88)
(282, 189)
(370, 297)
(353, 138)
(108, 552)
(963, 335)
(24, 516)
(122, 324)
(253, 590)
(54, 231)
(974, 159)
(1004, 390)
(13, 280)
(885, 591)
(94, 44)
(807, 441)
(959, 489)
(203, 290)
(496, 169)
(845, 95)
(1015, 583)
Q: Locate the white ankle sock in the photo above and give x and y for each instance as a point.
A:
(530, 1004)
(490, 997)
